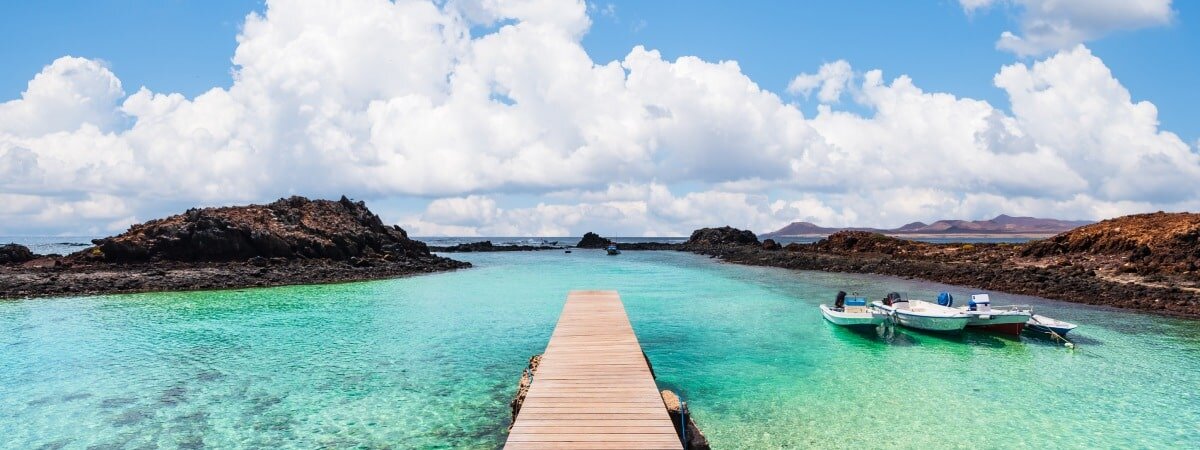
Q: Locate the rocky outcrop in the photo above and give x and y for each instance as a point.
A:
(592, 240)
(623, 246)
(487, 246)
(865, 242)
(15, 253)
(290, 241)
(295, 227)
(771, 245)
(1144, 262)
(1149, 244)
(523, 388)
(692, 440)
(709, 238)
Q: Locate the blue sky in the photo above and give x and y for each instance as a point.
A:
(186, 46)
(380, 101)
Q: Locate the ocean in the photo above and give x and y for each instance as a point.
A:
(432, 362)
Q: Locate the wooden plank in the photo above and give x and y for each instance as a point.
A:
(593, 388)
(590, 445)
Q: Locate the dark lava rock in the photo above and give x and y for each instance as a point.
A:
(487, 246)
(865, 242)
(15, 253)
(771, 245)
(592, 240)
(523, 388)
(647, 246)
(295, 227)
(678, 410)
(1151, 243)
(720, 237)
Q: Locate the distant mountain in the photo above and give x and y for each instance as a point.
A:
(1002, 224)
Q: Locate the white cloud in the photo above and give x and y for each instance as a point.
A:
(831, 78)
(68, 93)
(1048, 25)
(381, 100)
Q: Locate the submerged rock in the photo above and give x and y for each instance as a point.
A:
(677, 409)
(592, 240)
(15, 253)
(523, 388)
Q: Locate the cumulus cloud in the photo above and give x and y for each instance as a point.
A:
(381, 100)
(831, 78)
(1048, 25)
(67, 94)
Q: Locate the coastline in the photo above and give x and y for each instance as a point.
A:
(994, 267)
(42, 278)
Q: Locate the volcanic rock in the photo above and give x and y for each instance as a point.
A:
(523, 387)
(487, 246)
(864, 242)
(593, 240)
(1148, 243)
(676, 408)
(15, 253)
(771, 245)
(720, 237)
(295, 227)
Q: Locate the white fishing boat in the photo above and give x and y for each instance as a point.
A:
(924, 315)
(1045, 324)
(855, 313)
(1001, 319)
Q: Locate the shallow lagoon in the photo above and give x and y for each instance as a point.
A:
(432, 361)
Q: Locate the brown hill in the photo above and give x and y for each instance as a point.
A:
(1002, 224)
(295, 227)
(1151, 243)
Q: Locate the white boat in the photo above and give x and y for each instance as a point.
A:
(1001, 319)
(1045, 324)
(855, 313)
(925, 315)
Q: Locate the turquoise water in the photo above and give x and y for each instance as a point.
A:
(432, 361)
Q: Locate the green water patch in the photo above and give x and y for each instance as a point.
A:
(432, 361)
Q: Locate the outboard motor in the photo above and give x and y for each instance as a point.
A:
(980, 302)
(892, 298)
(945, 299)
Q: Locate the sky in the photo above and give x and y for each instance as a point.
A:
(556, 117)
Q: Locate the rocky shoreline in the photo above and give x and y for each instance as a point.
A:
(1100, 264)
(290, 241)
(487, 246)
(1147, 262)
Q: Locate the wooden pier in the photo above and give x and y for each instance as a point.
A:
(593, 387)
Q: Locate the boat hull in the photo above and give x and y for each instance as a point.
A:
(1013, 329)
(864, 320)
(1011, 324)
(930, 323)
(1061, 331)
(1043, 324)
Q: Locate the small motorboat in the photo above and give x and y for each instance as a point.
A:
(612, 249)
(923, 315)
(1043, 324)
(1001, 319)
(855, 313)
